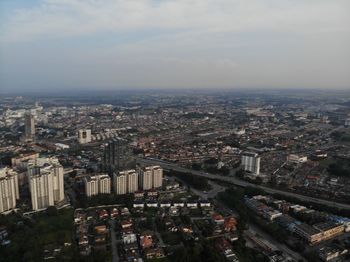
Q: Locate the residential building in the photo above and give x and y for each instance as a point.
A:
(84, 136)
(331, 253)
(251, 162)
(104, 184)
(115, 155)
(271, 214)
(97, 184)
(91, 186)
(21, 161)
(29, 126)
(119, 183)
(157, 177)
(329, 229)
(318, 232)
(145, 178)
(132, 181)
(46, 183)
(150, 177)
(308, 233)
(9, 192)
(125, 182)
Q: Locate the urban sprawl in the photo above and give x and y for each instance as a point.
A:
(175, 177)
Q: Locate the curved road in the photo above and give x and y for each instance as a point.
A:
(241, 183)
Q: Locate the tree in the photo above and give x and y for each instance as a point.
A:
(211, 161)
(196, 166)
(51, 211)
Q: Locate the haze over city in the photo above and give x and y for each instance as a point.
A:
(175, 130)
(109, 45)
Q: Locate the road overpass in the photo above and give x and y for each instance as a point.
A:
(241, 183)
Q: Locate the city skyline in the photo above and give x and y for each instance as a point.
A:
(112, 45)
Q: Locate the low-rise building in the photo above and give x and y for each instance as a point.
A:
(293, 158)
(271, 214)
(329, 229)
(308, 233)
(329, 253)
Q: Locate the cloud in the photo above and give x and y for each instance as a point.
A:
(176, 43)
(71, 18)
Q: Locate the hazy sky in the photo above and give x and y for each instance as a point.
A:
(111, 44)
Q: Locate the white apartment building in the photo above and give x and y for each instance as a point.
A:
(150, 177)
(145, 178)
(84, 136)
(126, 182)
(119, 182)
(132, 180)
(9, 192)
(97, 184)
(157, 177)
(251, 162)
(45, 176)
(104, 184)
(91, 186)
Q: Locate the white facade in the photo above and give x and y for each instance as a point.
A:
(41, 190)
(120, 184)
(132, 180)
(151, 177)
(104, 184)
(145, 178)
(91, 186)
(46, 183)
(251, 162)
(98, 184)
(157, 177)
(84, 136)
(126, 182)
(9, 192)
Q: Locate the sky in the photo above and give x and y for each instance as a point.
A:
(125, 44)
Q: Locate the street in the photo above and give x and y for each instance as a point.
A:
(115, 256)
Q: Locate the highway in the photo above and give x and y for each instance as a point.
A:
(241, 183)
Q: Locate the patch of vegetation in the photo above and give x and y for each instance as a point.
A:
(340, 136)
(197, 252)
(197, 182)
(246, 254)
(340, 168)
(233, 198)
(31, 236)
(171, 238)
(104, 199)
